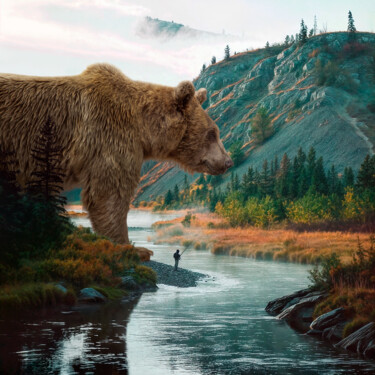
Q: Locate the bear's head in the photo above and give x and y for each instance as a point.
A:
(200, 149)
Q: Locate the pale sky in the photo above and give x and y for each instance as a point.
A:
(62, 37)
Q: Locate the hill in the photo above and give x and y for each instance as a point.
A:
(320, 94)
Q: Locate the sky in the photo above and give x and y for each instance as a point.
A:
(63, 37)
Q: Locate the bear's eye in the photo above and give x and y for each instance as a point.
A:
(211, 136)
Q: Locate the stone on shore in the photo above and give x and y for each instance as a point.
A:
(276, 306)
(299, 315)
(166, 274)
(90, 295)
(361, 341)
(328, 319)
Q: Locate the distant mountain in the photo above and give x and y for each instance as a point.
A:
(155, 28)
(319, 94)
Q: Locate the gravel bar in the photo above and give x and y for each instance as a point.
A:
(167, 275)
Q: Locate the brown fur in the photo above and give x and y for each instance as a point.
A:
(107, 125)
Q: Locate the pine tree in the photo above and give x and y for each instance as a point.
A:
(46, 181)
(366, 174)
(348, 178)
(204, 67)
(168, 198)
(262, 127)
(284, 177)
(266, 183)
(227, 52)
(287, 41)
(334, 184)
(302, 36)
(311, 33)
(213, 60)
(311, 161)
(236, 153)
(267, 45)
(351, 27)
(176, 193)
(319, 180)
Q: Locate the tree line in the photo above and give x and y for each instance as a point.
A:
(300, 38)
(297, 190)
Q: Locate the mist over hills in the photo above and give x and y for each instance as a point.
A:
(318, 94)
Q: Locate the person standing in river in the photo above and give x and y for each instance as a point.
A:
(177, 258)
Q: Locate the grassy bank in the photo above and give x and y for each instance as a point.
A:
(84, 260)
(208, 230)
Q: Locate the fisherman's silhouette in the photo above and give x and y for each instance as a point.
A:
(177, 258)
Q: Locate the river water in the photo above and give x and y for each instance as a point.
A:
(219, 327)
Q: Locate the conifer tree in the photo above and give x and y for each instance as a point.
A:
(287, 41)
(302, 36)
(227, 52)
(262, 127)
(348, 177)
(351, 27)
(366, 174)
(311, 160)
(319, 180)
(176, 194)
(168, 198)
(236, 153)
(213, 60)
(46, 181)
(204, 67)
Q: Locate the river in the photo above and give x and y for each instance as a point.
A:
(219, 327)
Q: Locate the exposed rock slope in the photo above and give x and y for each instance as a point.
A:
(321, 94)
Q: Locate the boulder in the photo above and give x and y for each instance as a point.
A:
(299, 315)
(276, 306)
(128, 282)
(361, 341)
(91, 295)
(329, 319)
(334, 333)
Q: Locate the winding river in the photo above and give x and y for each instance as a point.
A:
(219, 327)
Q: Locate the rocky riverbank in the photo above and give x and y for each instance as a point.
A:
(167, 275)
(297, 310)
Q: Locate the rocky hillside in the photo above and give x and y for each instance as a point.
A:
(319, 94)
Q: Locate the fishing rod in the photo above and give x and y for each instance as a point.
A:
(186, 248)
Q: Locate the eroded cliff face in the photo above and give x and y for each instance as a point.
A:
(321, 94)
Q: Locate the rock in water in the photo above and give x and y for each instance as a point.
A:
(361, 341)
(299, 315)
(276, 306)
(329, 319)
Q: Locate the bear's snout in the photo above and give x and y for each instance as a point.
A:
(228, 163)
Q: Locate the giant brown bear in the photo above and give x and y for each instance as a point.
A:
(107, 125)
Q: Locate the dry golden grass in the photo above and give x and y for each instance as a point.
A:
(273, 244)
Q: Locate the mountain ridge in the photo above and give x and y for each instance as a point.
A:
(319, 94)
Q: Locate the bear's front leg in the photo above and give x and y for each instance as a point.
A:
(108, 214)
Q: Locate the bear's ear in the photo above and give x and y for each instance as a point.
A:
(184, 93)
(201, 95)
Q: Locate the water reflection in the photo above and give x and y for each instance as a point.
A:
(91, 340)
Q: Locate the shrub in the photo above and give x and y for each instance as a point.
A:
(145, 274)
(321, 275)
